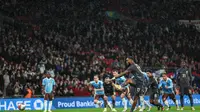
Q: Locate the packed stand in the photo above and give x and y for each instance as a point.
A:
(76, 51)
(28, 52)
(162, 9)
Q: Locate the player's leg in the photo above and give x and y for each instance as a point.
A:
(129, 93)
(113, 102)
(123, 91)
(96, 100)
(188, 91)
(154, 101)
(50, 102)
(135, 99)
(139, 104)
(148, 104)
(106, 103)
(164, 98)
(105, 98)
(141, 97)
(172, 96)
(46, 97)
(137, 94)
(129, 81)
(124, 101)
(140, 92)
(145, 102)
(158, 104)
(181, 97)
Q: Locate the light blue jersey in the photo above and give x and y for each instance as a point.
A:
(146, 76)
(48, 84)
(169, 84)
(120, 80)
(146, 79)
(98, 85)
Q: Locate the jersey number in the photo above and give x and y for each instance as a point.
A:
(49, 84)
(184, 75)
(138, 67)
(138, 89)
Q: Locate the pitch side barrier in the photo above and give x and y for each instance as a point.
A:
(72, 102)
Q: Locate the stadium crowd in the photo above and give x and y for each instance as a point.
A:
(76, 41)
(165, 9)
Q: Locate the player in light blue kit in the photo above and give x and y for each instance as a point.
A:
(99, 93)
(48, 89)
(167, 86)
(123, 90)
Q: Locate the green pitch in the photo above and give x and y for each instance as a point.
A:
(173, 109)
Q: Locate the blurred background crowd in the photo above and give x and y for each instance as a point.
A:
(77, 39)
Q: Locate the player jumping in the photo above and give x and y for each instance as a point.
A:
(167, 86)
(48, 88)
(154, 96)
(184, 81)
(136, 80)
(99, 92)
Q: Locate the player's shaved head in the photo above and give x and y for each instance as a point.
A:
(48, 75)
(129, 60)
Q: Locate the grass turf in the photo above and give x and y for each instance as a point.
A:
(173, 109)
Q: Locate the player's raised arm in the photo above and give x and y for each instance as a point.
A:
(119, 75)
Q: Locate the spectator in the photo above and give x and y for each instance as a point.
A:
(6, 78)
(18, 89)
(66, 92)
(2, 86)
(196, 89)
(10, 90)
(71, 93)
(42, 65)
(28, 92)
